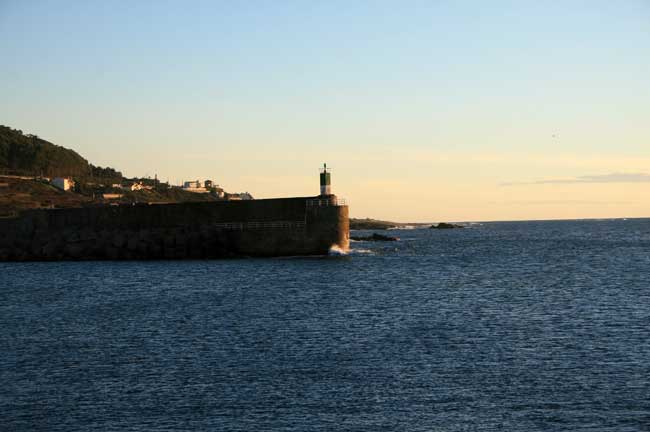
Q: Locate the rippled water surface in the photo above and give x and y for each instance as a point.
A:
(503, 326)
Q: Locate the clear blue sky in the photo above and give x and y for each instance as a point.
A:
(449, 110)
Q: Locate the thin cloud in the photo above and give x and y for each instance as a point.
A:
(605, 178)
(559, 202)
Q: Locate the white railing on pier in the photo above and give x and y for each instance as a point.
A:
(259, 225)
(326, 202)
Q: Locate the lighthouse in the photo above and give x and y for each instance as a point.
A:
(325, 181)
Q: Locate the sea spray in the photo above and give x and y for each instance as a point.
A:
(335, 250)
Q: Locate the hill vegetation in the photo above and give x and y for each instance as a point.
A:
(28, 155)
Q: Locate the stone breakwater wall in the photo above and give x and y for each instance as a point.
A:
(272, 227)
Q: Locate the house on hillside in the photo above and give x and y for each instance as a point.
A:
(194, 186)
(63, 183)
(132, 186)
(219, 192)
(140, 186)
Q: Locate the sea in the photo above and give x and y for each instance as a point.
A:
(510, 326)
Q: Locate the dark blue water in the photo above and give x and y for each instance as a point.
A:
(504, 326)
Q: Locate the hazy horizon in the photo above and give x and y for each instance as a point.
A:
(425, 111)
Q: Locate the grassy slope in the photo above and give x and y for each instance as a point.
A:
(16, 194)
(164, 196)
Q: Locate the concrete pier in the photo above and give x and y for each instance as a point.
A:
(268, 227)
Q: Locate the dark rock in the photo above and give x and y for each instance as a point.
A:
(144, 234)
(112, 253)
(132, 243)
(169, 252)
(443, 225)
(142, 248)
(374, 237)
(168, 241)
(155, 250)
(36, 247)
(119, 240)
(74, 250)
(180, 238)
(71, 235)
(51, 250)
(87, 234)
(195, 246)
(8, 238)
(370, 224)
(97, 247)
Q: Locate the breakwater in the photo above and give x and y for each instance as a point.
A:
(268, 227)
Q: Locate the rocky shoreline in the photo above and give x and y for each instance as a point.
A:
(444, 225)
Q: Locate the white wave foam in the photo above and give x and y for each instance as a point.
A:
(359, 251)
(335, 250)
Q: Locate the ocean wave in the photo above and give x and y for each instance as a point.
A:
(360, 251)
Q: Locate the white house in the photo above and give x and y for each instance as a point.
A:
(194, 186)
(63, 183)
(140, 186)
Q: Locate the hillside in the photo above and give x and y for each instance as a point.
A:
(28, 155)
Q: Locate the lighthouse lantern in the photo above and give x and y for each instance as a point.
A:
(325, 181)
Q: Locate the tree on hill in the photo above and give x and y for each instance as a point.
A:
(105, 174)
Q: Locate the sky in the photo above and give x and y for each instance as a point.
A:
(425, 110)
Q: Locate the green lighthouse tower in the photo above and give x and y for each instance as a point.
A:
(325, 181)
